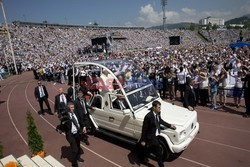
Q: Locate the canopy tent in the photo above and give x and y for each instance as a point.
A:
(239, 44)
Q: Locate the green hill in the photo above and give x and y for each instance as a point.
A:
(174, 26)
(240, 20)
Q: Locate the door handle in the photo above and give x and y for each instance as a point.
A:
(111, 118)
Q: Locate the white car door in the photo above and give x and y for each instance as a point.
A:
(116, 120)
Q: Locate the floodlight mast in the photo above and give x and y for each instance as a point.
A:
(163, 4)
(8, 34)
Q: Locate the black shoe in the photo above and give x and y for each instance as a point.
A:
(246, 115)
(144, 160)
(86, 142)
(80, 160)
(161, 164)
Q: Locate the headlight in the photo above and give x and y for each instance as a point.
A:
(182, 134)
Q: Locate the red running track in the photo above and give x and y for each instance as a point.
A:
(223, 140)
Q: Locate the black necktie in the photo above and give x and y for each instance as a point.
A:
(83, 106)
(75, 121)
(193, 93)
(157, 123)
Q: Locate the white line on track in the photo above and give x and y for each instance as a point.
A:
(7, 84)
(198, 163)
(8, 109)
(64, 134)
(219, 126)
(221, 144)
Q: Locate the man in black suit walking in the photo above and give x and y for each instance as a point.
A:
(150, 130)
(82, 113)
(72, 130)
(189, 95)
(60, 101)
(41, 95)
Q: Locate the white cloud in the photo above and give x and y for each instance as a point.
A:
(148, 16)
(221, 14)
(129, 24)
(188, 11)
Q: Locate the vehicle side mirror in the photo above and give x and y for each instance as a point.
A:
(126, 112)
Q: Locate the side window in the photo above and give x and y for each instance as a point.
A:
(118, 102)
(97, 102)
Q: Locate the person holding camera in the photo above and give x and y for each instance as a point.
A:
(70, 125)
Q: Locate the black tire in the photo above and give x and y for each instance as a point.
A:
(165, 148)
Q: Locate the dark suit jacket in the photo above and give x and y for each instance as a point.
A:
(149, 127)
(70, 94)
(189, 97)
(246, 86)
(80, 113)
(116, 104)
(57, 105)
(37, 93)
(67, 128)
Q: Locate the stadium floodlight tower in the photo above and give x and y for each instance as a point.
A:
(163, 4)
(9, 37)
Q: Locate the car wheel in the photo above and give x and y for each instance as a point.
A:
(165, 149)
(92, 129)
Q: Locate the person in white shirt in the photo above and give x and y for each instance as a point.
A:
(60, 101)
(181, 76)
(72, 132)
(41, 95)
(106, 82)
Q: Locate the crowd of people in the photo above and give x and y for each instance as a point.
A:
(199, 71)
(51, 51)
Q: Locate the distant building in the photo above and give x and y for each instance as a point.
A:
(212, 20)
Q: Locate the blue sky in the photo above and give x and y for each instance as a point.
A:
(121, 12)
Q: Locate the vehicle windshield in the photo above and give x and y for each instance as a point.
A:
(142, 97)
(129, 75)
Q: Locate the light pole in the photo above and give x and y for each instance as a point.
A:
(8, 34)
(163, 4)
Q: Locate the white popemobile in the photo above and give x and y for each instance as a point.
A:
(138, 93)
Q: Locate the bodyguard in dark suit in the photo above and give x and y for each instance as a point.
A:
(150, 130)
(120, 103)
(72, 129)
(41, 95)
(82, 113)
(70, 93)
(60, 99)
(189, 95)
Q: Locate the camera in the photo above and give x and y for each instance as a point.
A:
(64, 120)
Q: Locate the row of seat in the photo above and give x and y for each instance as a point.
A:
(37, 161)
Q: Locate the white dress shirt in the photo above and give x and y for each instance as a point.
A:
(73, 127)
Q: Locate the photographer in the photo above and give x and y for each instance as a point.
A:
(70, 125)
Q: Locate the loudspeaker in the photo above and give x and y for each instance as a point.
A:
(174, 40)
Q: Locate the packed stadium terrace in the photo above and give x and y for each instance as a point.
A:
(35, 42)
